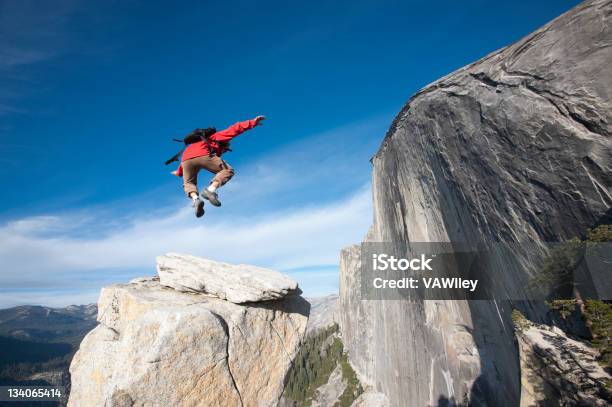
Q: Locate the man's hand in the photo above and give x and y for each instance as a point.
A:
(259, 119)
(175, 172)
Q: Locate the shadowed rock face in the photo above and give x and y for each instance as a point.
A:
(157, 346)
(516, 147)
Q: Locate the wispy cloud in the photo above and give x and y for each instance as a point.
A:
(31, 32)
(292, 210)
(310, 170)
(40, 250)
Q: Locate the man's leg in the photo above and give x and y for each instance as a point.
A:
(223, 173)
(190, 184)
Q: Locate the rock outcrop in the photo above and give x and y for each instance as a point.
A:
(371, 399)
(557, 370)
(516, 147)
(157, 346)
(329, 393)
(235, 283)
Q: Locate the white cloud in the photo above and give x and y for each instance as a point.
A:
(299, 238)
(63, 269)
(292, 210)
(316, 166)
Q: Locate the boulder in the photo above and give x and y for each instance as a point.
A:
(329, 393)
(557, 370)
(371, 398)
(156, 346)
(237, 283)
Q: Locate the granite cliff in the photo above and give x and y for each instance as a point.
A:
(516, 147)
(202, 333)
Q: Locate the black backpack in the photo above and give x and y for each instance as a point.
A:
(195, 136)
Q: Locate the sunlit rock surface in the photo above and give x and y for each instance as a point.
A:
(236, 283)
(559, 371)
(157, 346)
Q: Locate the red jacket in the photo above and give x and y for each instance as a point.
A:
(200, 148)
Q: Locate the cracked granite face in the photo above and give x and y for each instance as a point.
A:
(156, 346)
(516, 147)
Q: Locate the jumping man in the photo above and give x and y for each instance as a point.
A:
(206, 154)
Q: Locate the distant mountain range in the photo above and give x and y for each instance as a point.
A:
(36, 323)
(37, 343)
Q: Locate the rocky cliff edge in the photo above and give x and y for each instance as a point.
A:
(178, 339)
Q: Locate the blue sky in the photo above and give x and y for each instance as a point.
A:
(92, 92)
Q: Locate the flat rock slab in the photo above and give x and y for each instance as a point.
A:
(237, 283)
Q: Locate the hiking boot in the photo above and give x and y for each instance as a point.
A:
(198, 205)
(211, 197)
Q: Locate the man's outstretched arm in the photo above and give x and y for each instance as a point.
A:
(236, 129)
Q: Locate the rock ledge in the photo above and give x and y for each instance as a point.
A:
(235, 283)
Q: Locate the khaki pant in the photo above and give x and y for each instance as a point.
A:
(223, 172)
